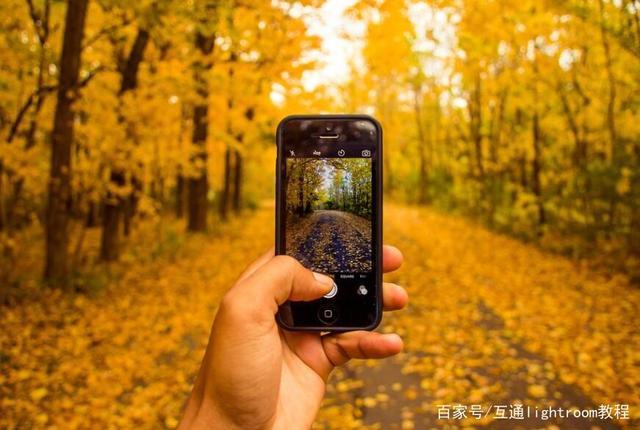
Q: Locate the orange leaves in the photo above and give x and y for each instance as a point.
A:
(490, 320)
(125, 356)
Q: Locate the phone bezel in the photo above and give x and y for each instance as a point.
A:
(378, 213)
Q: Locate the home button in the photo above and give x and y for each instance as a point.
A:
(328, 314)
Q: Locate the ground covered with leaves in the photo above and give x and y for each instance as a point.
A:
(492, 321)
(331, 241)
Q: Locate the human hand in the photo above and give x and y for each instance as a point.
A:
(255, 375)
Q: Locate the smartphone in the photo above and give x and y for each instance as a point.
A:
(329, 217)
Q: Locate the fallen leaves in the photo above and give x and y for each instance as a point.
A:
(537, 391)
(126, 357)
(491, 320)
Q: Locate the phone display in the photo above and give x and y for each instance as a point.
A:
(329, 217)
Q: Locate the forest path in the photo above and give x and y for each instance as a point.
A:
(334, 241)
(491, 321)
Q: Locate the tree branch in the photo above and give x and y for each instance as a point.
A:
(25, 107)
(105, 31)
(45, 89)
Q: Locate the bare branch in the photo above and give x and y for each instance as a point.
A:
(44, 90)
(105, 31)
(25, 107)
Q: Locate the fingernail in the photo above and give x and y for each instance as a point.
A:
(323, 279)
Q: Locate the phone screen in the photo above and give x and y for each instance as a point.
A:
(328, 217)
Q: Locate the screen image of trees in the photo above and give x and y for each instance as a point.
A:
(329, 207)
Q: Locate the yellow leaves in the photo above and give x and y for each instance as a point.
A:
(42, 419)
(624, 184)
(369, 402)
(411, 393)
(37, 394)
(348, 385)
(537, 391)
(124, 357)
(171, 422)
(23, 374)
(127, 356)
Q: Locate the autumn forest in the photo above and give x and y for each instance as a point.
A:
(137, 150)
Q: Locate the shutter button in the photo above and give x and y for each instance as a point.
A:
(331, 294)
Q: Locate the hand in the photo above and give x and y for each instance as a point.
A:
(255, 375)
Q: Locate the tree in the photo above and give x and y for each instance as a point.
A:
(198, 184)
(115, 205)
(56, 269)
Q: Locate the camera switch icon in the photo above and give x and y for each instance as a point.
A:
(341, 152)
(366, 153)
(362, 290)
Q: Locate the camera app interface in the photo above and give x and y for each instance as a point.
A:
(329, 210)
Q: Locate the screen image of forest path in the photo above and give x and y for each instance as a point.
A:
(491, 321)
(331, 241)
(328, 211)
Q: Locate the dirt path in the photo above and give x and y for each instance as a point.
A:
(333, 241)
(493, 322)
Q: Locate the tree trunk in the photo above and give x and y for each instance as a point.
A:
(181, 196)
(116, 207)
(301, 190)
(422, 143)
(93, 215)
(237, 182)
(131, 204)
(537, 168)
(130, 82)
(57, 239)
(110, 242)
(475, 115)
(3, 211)
(226, 186)
(199, 185)
(611, 103)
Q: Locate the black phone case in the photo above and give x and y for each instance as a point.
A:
(378, 197)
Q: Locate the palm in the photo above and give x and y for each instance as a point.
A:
(301, 384)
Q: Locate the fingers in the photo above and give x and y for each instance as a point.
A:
(340, 348)
(394, 297)
(391, 258)
(280, 279)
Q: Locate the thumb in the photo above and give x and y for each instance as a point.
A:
(283, 278)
